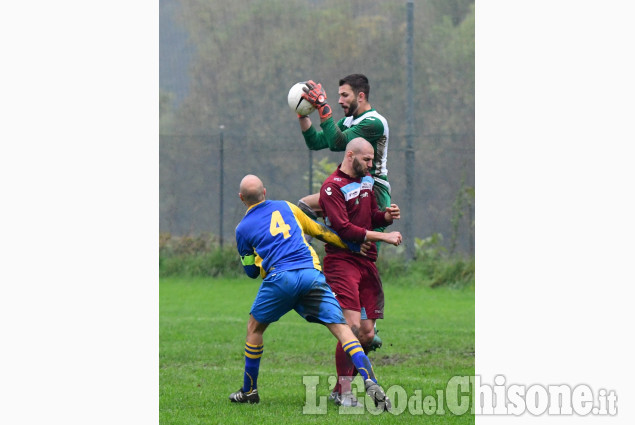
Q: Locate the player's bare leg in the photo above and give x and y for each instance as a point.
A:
(376, 341)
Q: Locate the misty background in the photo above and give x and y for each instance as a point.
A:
(225, 71)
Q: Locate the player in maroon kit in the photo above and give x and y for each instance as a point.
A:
(350, 208)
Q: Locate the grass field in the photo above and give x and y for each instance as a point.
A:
(428, 337)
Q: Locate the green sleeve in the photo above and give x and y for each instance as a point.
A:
(314, 140)
(330, 137)
(334, 136)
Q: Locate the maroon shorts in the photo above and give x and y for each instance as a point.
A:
(356, 283)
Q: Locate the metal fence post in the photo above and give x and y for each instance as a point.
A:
(409, 157)
(220, 191)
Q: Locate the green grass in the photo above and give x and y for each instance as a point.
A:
(428, 337)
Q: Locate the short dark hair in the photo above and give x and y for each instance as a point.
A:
(358, 82)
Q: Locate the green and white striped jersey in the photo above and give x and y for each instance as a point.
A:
(370, 125)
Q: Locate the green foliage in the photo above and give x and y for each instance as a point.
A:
(257, 46)
(463, 202)
(432, 266)
(447, 61)
(321, 170)
(246, 56)
(196, 256)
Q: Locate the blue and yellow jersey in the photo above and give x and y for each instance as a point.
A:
(271, 238)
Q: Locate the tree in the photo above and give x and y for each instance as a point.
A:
(248, 55)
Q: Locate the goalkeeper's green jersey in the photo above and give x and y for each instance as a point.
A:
(370, 125)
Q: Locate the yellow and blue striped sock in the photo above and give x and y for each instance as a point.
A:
(253, 353)
(361, 361)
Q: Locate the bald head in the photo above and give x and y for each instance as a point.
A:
(252, 190)
(358, 157)
(359, 145)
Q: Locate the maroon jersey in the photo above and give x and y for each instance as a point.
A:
(350, 208)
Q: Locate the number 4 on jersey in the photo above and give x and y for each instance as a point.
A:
(278, 225)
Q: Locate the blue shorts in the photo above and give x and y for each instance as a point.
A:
(303, 290)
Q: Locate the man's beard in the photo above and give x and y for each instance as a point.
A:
(358, 168)
(352, 108)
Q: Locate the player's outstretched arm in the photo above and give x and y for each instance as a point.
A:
(322, 232)
(393, 238)
(316, 229)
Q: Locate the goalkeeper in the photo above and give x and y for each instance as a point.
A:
(360, 120)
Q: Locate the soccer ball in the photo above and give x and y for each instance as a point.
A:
(296, 102)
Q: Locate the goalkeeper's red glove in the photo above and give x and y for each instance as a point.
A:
(315, 94)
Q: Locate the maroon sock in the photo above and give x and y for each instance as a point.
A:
(345, 368)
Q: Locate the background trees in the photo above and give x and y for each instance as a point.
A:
(244, 58)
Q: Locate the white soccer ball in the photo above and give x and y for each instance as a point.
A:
(296, 102)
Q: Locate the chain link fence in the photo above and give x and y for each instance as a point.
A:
(200, 175)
